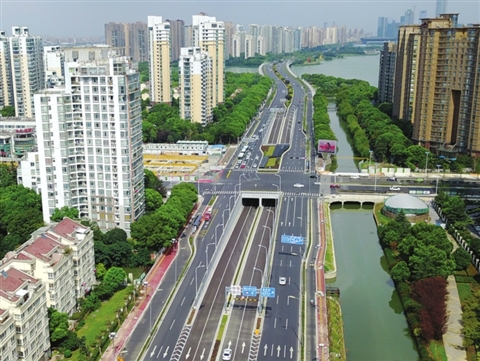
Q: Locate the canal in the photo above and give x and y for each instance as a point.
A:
(374, 324)
(375, 327)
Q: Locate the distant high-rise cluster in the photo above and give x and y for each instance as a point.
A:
(435, 85)
(131, 38)
(389, 28)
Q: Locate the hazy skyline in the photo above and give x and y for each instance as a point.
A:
(68, 18)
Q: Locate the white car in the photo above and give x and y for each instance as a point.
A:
(396, 189)
(298, 185)
(227, 354)
(354, 177)
(255, 165)
(282, 281)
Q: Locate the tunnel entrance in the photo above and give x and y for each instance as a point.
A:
(264, 199)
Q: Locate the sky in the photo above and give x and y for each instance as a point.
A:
(67, 18)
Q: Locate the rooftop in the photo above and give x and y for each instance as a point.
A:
(405, 201)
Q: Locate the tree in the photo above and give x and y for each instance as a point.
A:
(152, 182)
(462, 259)
(153, 200)
(57, 325)
(431, 293)
(100, 271)
(8, 111)
(59, 214)
(400, 272)
(114, 277)
(430, 261)
(114, 236)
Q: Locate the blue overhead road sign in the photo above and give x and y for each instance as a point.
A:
(268, 292)
(249, 291)
(292, 239)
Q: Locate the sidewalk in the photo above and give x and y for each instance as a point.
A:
(153, 278)
(322, 318)
(452, 339)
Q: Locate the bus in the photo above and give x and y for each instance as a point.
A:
(208, 214)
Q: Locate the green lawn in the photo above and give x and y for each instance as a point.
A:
(464, 291)
(222, 327)
(438, 351)
(137, 271)
(335, 329)
(269, 151)
(271, 162)
(97, 321)
(329, 252)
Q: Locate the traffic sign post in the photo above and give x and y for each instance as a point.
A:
(249, 291)
(235, 290)
(268, 292)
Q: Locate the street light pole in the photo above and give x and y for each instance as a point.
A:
(426, 165)
(438, 175)
(196, 282)
(370, 161)
(206, 251)
(280, 181)
(216, 233)
(223, 214)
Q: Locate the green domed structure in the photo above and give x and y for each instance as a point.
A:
(414, 208)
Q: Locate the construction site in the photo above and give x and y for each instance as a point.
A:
(181, 165)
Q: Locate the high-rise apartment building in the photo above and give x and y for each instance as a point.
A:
(277, 39)
(159, 38)
(229, 31)
(137, 47)
(238, 41)
(177, 38)
(90, 143)
(249, 46)
(21, 70)
(130, 38)
(209, 35)
(386, 72)
(437, 85)
(441, 7)
(196, 100)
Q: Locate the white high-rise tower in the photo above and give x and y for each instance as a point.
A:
(90, 143)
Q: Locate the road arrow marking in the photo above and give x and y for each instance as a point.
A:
(265, 348)
(166, 352)
(229, 343)
(203, 354)
(243, 346)
(278, 350)
(291, 352)
(188, 353)
(153, 352)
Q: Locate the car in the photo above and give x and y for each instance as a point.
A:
(242, 166)
(282, 281)
(298, 185)
(256, 158)
(236, 166)
(255, 165)
(313, 176)
(355, 177)
(391, 179)
(334, 185)
(227, 354)
(396, 189)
